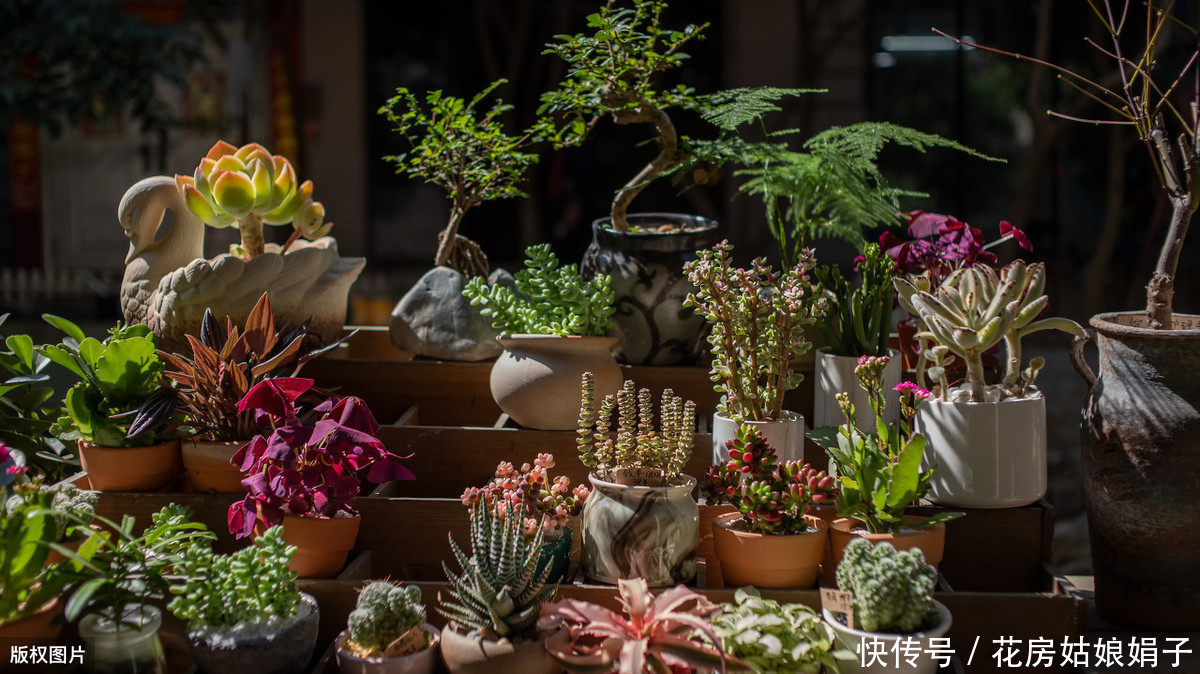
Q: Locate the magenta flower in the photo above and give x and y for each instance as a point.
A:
(917, 392)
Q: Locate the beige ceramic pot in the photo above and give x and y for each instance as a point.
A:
(424, 661)
(131, 468)
(210, 468)
(469, 653)
(537, 378)
(784, 561)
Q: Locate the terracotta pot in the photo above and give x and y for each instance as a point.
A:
(34, 628)
(422, 662)
(1141, 459)
(279, 646)
(931, 541)
(651, 324)
(785, 561)
(470, 653)
(536, 379)
(835, 374)
(322, 543)
(131, 468)
(210, 468)
(785, 435)
(888, 646)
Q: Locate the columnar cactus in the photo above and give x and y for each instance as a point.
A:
(893, 591)
(638, 443)
(385, 612)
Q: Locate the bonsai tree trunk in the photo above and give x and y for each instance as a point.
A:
(1183, 188)
(449, 236)
(667, 155)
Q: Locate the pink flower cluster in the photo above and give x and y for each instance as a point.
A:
(531, 492)
(5, 456)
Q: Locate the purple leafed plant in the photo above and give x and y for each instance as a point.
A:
(308, 464)
(942, 244)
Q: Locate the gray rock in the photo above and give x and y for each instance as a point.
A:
(434, 320)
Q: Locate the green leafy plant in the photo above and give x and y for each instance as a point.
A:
(638, 445)
(27, 411)
(71, 508)
(858, 318)
(880, 475)
(548, 299)
(385, 612)
(465, 152)
(28, 530)
(893, 591)
(758, 317)
(121, 400)
(498, 592)
(252, 585)
(774, 637)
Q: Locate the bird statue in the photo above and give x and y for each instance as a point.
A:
(168, 284)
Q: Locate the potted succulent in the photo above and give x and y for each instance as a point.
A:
(640, 519)
(770, 541)
(168, 284)
(243, 609)
(670, 632)
(552, 325)
(29, 592)
(466, 152)
(493, 602)
(880, 474)
(71, 510)
(774, 637)
(546, 504)
(223, 366)
(120, 412)
(857, 322)
(304, 471)
(990, 440)
(386, 633)
(758, 317)
(892, 603)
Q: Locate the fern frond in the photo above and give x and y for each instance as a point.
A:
(729, 109)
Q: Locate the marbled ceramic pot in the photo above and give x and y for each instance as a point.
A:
(633, 531)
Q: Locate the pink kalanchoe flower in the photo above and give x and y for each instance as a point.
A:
(17, 470)
(917, 392)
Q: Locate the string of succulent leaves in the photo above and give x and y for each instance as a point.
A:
(637, 443)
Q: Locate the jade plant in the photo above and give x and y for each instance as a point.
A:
(774, 637)
(498, 592)
(464, 151)
(640, 451)
(758, 316)
(529, 491)
(772, 497)
(385, 613)
(247, 186)
(893, 591)
(973, 310)
(858, 318)
(547, 299)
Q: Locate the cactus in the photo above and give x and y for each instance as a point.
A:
(893, 591)
(638, 443)
(498, 593)
(385, 612)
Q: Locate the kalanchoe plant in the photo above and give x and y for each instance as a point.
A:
(880, 475)
(774, 637)
(858, 319)
(893, 591)
(548, 299)
(27, 527)
(309, 461)
(28, 408)
(758, 317)
(531, 492)
(464, 151)
(974, 309)
(669, 632)
(638, 446)
(773, 497)
(250, 187)
(498, 592)
(385, 612)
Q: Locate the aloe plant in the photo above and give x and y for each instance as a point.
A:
(858, 319)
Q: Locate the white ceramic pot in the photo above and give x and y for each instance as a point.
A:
(835, 374)
(988, 454)
(536, 380)
(785, 435)
(422, 662)
(892, 648)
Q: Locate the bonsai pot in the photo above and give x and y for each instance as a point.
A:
(35, 628)
(271, 647)
(988, 454)
(768, 561)
(536, 380)
(131, 468)
(931, 541)
(124, 648)
(785, 435)
(632, 531)
(651, 324)
(424, 661)
(322, 543)
(835, 374)
(894, 647)
(470, 653)
(210, 468)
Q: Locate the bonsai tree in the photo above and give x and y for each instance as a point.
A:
(464, 151)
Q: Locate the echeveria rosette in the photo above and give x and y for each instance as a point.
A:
(249, 186)
(309, 463)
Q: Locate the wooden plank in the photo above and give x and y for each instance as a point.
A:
(997, 550)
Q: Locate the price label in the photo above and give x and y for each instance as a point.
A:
(408, 643)
(646, 477)
(839, 601)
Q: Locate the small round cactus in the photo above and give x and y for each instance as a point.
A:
(893, 591)
(385, 611)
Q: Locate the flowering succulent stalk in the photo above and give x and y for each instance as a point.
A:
(638, 443)
(758, 317)
(773, 497)
(250, 187)
(530, 491)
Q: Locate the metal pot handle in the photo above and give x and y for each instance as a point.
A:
(1077, 359)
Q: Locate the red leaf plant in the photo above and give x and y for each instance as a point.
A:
(308, 464)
